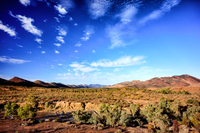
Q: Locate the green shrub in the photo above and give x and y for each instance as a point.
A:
(193, 102)
(81, 116)
(125, 120)
(134, 109)
(11, 109)
(165, 91)
(32, 101)
(158, 114)
(111, 113)
(26, 111)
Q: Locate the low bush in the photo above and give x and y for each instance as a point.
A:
(11, 109)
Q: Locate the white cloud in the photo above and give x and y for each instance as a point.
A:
(57, 44)
(89, 30)
(98, 8)
(38, 40)
(67, 4)
(60, 38)
(57, 19)
(25, 2)
(43, 52)
(75, 24)
(29, 52)
(70, 19)
(28, 26)
(166, 6)
(118, 69)
(7, 29)
(57, 52)
(39, 47)
(128, 13)
(7, 59)
(82, 68)
(45, 20)
(76, 51)
(93, 51)
(60, 9)
(19, 46)
(78, 44)
(123, 61)
(62, 32)
(60, 64)
(64, 74)
(124, 28)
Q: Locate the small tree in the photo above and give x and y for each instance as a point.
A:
(111, 113)
(31, 99)
(11, 109)
(26, 111)
(158, 114)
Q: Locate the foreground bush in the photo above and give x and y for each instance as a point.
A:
(26, 111)
(111, 113)
(11, 109)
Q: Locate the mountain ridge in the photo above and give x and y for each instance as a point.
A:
(174, 81)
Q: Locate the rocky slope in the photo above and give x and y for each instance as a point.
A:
(174, 81)
(16, 81)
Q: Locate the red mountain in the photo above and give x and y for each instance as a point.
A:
(174, 81)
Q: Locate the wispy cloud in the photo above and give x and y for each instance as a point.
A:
(127, 13)
(60, 9)
(123, 61)
(38, 40)
(7, 29)
(118, 69)
(166, 7)
(70, 19)
(57, 52)
(89, 30)
(43, 52)
(78, 44)
(98, 8)
(19, 46)
(83, 68)
(76, 51)
(57, 44)
(93, 51)
(7, 59)
(64, 74)
(75, 24)
(28, 26)
(57, 19)
(25, 2)
(62, 32)
(60, 38)
(123, 28)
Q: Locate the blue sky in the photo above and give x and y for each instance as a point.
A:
(99, 41)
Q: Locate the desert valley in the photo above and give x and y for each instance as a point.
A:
(154, 105)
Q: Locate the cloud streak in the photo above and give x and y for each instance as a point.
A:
(6, 59)
(98, 8)
(83, 68)
(89, 30)
(166, 7)
(28, 26)
(25, 2)
(123, 61)
(60, 9)
(7, 29)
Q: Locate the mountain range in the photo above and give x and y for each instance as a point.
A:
(16, 81)
(174, 81)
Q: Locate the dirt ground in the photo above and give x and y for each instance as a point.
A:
(17, 126)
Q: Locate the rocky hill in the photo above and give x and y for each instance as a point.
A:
(16, 81)
(174, 81)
